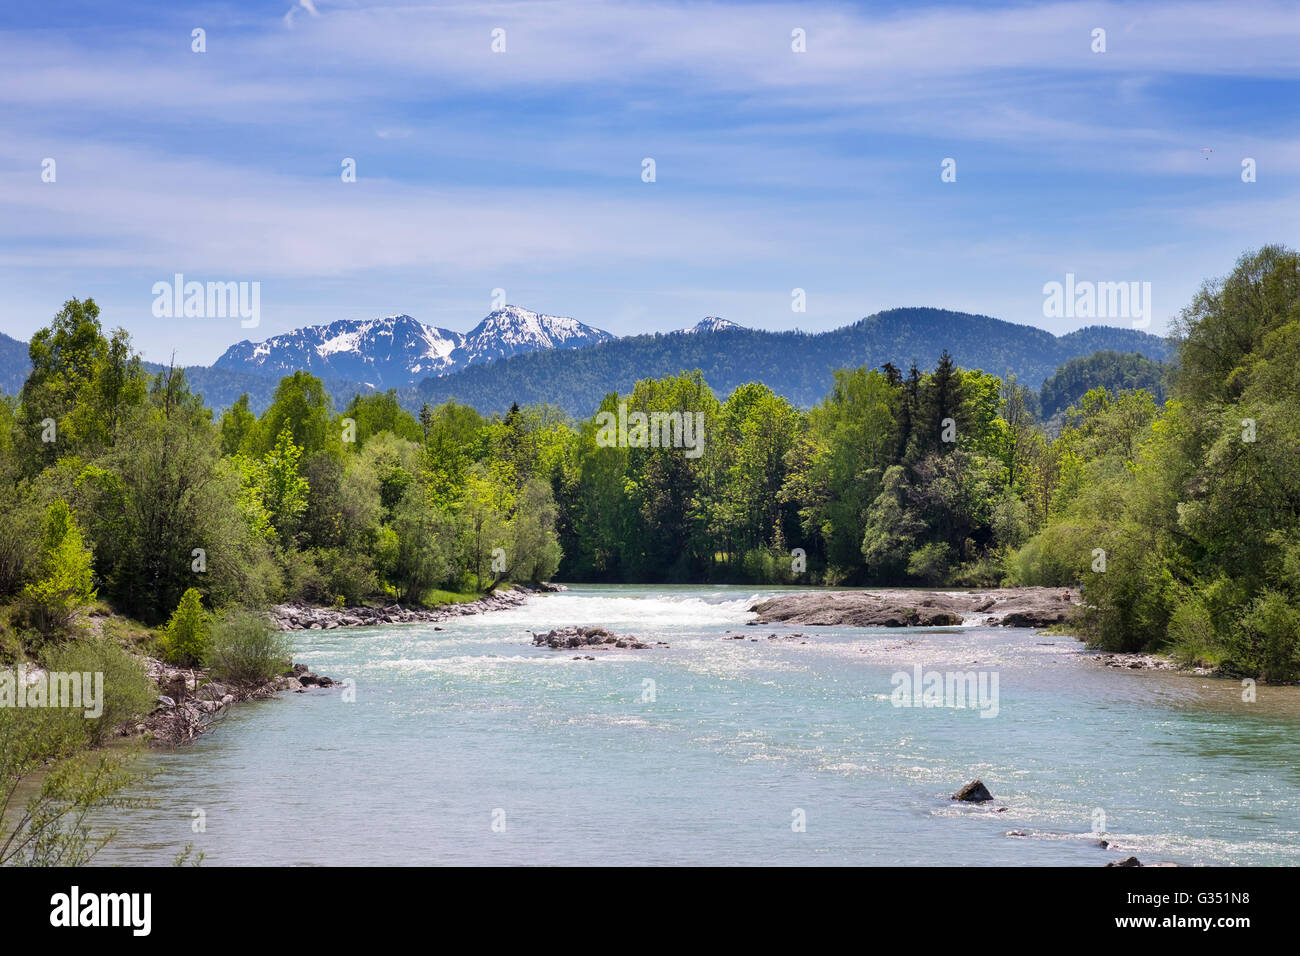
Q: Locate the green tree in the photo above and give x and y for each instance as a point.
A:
(65, 578)
(425, 545)
(185, 638)
(284, 490)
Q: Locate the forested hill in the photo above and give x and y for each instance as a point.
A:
(796, 365)
(1114, 371)
(13, 364)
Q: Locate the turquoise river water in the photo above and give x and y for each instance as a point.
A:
(468, 745)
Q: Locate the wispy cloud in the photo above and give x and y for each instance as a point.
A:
(774, 168)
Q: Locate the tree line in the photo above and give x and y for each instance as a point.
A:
(1175, 507)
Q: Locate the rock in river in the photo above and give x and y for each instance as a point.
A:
(576, 636)
(900, 607)
(973, 792)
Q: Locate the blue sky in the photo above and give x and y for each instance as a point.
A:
(522, 170)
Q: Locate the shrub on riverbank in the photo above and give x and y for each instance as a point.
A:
(244, 648)
(1181, 522)
(58, 746)
(185, 638)
(127, 690)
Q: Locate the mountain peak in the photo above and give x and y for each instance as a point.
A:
(712, 323)
(512, 329)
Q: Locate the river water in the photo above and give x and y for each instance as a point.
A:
(468, 745)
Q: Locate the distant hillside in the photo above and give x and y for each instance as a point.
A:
(1107, 369)
(13, 364)
(796, 365)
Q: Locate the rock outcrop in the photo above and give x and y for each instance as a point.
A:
(897, 607)
(563, 638)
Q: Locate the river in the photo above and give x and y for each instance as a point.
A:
(467, 745)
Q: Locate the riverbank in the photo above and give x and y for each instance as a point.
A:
(308, 617)
(1150, 662)
(901, 607)
(190, 701)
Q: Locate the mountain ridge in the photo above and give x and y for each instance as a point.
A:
(398, 350)
(798, 365)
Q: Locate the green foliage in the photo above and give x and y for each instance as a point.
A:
(185, 638)
(531, 548)
(244, 649)
(377, 413)
(1266, 641)
(1195, 506)
(127, 689)
(283, 490)
(64, 576)
(238, 428)
(930, 562)
(51, 828)
(302, 406)
(425, 539)
(346, 576)
(20, 539)
(1176, 509)
(163, 493)
(51, 779)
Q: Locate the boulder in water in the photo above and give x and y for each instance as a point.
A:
(973, 792)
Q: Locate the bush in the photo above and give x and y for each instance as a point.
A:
(55, 826)
(983, 572)
(347, 574)
(1266, 642)
(303, 580)
(245, 649)
(1191, 631)
(20, 535)
(50, 782)
(185, 639)
(127, 690)
(758, 566)
(930, 562)
(1060, 556)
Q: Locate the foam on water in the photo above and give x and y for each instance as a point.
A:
(650, 612)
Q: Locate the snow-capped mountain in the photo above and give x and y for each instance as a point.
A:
(711, 323)
(512, 330)
(398, 350)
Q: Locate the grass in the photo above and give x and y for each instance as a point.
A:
(438, 596)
